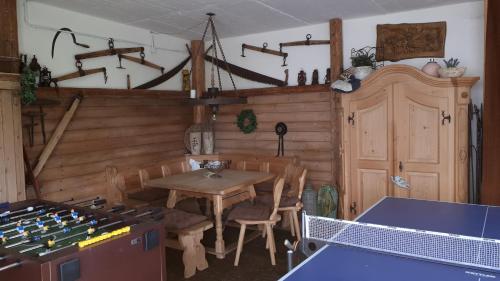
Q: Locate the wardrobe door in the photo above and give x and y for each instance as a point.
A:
(423, 146)
(370, 133)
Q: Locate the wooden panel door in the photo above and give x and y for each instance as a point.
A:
(370, 133)
(422, 144)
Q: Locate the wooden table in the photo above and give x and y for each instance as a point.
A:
(232, 187)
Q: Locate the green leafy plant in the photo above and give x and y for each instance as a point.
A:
(451, 63)
(28, 86)
(247, 121)
(363, 57)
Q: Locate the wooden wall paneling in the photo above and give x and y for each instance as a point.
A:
(120, 128)
(309, 137)
(9, 53)
(490, 193)
(12, 187)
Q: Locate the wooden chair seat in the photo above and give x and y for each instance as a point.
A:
(176, 220)
(259, 215)
(268, 200)
(249, 212)
(189, 229)
(267, 187)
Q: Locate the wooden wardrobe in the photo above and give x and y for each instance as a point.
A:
(402, 122)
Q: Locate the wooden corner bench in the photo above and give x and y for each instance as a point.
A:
(188, 229)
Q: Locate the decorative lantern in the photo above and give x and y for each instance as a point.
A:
(208, 138)
(193, 139)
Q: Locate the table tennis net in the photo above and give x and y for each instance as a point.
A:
(436, 246)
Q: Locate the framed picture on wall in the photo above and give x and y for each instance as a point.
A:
(410, 40)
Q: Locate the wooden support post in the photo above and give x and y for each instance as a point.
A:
(490, 192)
(336, 50)
(9, 52)
(12, 186)
(336, 68)
(56, 136)
(198, 78)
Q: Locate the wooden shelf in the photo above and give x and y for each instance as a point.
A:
(114, 92)
(278, 90)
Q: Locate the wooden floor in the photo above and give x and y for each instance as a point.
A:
(255, 264)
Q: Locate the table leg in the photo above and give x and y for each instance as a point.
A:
(172, 199)
(251, 191)
(220, 249)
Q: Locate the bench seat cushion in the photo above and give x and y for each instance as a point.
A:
(267, 187)
(248, 211)
(268, 200)
(149, 194)
(177, 220)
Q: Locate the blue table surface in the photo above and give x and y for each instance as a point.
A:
(341, 263)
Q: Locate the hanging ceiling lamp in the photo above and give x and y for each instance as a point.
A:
(212, 96)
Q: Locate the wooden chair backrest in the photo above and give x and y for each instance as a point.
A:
(253, 165)
(298, 180)
(148, 173)
(117, 191)
(174, 168)
(279, 183)
(302, 183)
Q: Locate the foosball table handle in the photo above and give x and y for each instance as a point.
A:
(9, 266)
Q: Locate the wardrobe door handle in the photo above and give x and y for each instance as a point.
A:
(400, 166)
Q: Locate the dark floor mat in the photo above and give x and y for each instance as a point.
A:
(255, 263)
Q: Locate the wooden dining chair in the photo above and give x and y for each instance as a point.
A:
(292, 206)
(187, 204)
(291, 202)
(175, 168)
(259, 215)
(253, 165)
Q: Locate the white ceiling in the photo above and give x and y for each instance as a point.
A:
(185, 18)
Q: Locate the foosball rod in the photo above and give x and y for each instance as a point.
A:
(60, 239)
(94, 203)
(33, 213)
(9, 266)
(39, 230)
(70, 201)
(27, 209)
(74, 235)
(29, 225)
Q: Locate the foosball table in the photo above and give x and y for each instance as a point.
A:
(41, 240)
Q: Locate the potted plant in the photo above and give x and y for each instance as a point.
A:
(363, 61)
(451, 70)
(28, 86)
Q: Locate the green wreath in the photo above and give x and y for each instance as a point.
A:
(247, 121)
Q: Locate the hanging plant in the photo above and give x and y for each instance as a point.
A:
(28, 86)
(247, 121)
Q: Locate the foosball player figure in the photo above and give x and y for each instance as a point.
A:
(51, 242)
(20, 227)
(3, 238)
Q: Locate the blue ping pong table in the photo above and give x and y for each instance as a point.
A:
(344, 263)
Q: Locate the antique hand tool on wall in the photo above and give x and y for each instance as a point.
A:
(246, 73)
(171, 73)
(164, 77)
(140, 60)
(264, 50)
(80, 73)
(111, 51)
(281, 130)
(56, 136)
(72, 35)
(306, 42)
